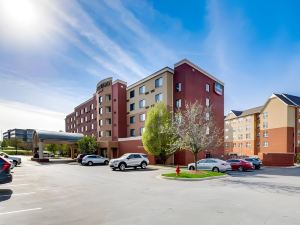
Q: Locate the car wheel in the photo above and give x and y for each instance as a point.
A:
(90, 163)
(113, 169)
(105, 162)
(15, 163)
(191, 168)
(122, 166)
(143, 165)
(215, 169)
(135, 167)
(240, 168)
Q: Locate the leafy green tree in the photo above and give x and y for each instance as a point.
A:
(87, 145)
(4, 144)
(64, 149)
(159, 137)
(52, 148)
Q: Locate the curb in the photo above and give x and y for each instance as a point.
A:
(193, 179)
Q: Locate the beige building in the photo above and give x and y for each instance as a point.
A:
(144, 94)
(271, 130)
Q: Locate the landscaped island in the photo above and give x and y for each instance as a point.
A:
(193, 175)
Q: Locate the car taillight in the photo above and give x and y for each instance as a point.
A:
(6, 166)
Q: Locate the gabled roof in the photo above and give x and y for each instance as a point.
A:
(285, 100)
(247, 111)
(294, 99)
(236, 113)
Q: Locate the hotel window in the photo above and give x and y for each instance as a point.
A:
(207, 87)
(207, 130)
(85, 109)
(76, 113)
(132, 119)
(100, 99)
(207, 102)
(100, 111)
(85, 128)
(77, 130)
(92, 116)
(266, 133)
(100, 122)
(142, 103)
(81, 120)
(158, 97)
(178, 87)
(247, 136)
(298, 143)
(85, 118)
(142, 117)
(265, 115)
(159, 82)
(81, 111)
(131, 94)
(226, 130)
(101, 133)
(265, 125)
(248, 145)
(108, 109)
(108, 121)
(71, 119)
(142, 130)
(227, 122)
(71, 126)
(108, 133)
(226, 137)
(92, 126)
(132, 132)
(266, 144)
(178, 103)
(207, 116)
(92, 106)
(107, 98)
(131, 106)
(81, 129)
(142, 90)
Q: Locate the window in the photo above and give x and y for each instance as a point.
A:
(266, 144)
(108, 109)
(101, 133)
(266, 133)
(132, 132)
(92, 116)
(131, 94)
(142, 103)
(265, 125)
(108, 133)
(132, 119)
(207, 116)
(71, 120)
(92, 126)
(158, 97)
(142, 90)
(81, 120)
(299, 110)
(178, 87)
(92, 106)
(107, 98)
(207, 130)
(207, 87)
(142, 117)
(137, 156)
(85, 128)
(248, 145)
(298, 132)
(207, 102)
(100, 122)
(226, 130)
(100, 111)
(100, 99)
(178, 103)
(265, 115)
(142, 130)
(298, 143)
(85, 118)
(247, 136)
(81, 129)
(158, 82)
(108, 121)
(85, 109)
(76, 113)
(131, 106)
(81, 111)
(226, 137)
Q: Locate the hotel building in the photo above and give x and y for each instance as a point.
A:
(271, 131)
(116, 113)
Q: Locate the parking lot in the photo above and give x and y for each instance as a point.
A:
(73, 194)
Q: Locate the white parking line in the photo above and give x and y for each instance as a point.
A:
(28, 193)
(14, 185)
(18, 211)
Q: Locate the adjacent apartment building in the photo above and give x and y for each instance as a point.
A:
(116, 113)
(271, 131)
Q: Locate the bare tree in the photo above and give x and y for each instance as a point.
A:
(196, 129)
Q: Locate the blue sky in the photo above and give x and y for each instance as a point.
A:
(52, 53)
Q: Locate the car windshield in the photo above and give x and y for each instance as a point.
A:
(125, 156)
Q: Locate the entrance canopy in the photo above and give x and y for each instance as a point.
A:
(42, 137)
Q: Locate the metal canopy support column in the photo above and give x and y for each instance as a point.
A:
(41, 149)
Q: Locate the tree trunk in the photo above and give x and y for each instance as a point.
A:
(195, 159)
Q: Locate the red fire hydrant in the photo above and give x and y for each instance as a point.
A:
(177, 170)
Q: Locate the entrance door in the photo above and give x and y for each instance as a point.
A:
(103, 152)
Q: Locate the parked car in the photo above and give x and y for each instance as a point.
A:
(212, 164)
(257, 163)
(12, 165)
(48, 154)
(129, 160)
(94, 159)
(5, 175)
(80, 157)
(16, 160)
(240, 164)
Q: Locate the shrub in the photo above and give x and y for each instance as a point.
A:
(19, 152)
(298, 158)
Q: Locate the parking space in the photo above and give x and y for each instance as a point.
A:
(73, 194)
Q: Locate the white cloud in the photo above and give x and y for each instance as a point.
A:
(24, 116)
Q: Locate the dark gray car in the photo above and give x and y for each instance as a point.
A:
(257, 163)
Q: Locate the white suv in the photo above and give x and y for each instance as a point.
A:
(129, 160)
(94, 159)
(215, 165)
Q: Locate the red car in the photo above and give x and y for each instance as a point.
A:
(240, 164)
